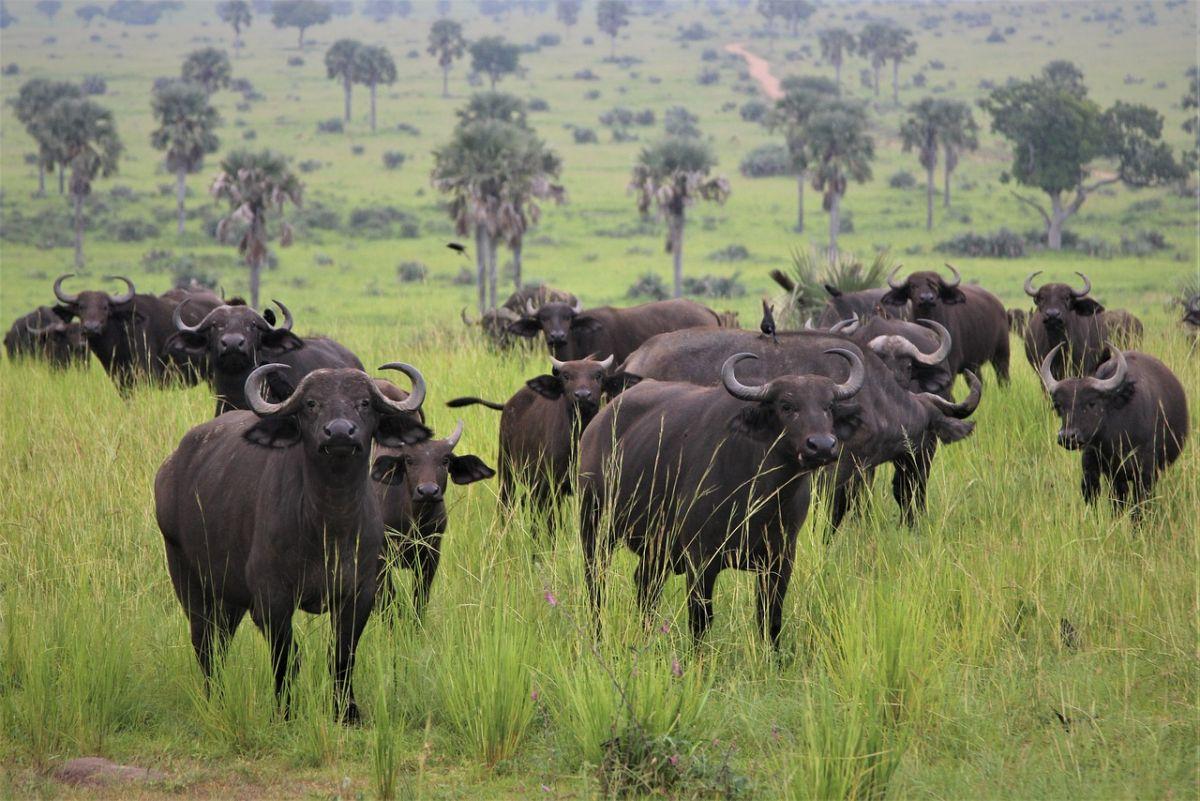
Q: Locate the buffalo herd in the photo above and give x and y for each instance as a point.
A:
(692, 442)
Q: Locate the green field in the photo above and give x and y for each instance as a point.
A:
(925, 662)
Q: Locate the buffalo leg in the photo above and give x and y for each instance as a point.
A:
(348, 618)
(649, 577)
(275, 622)
(847, 483)
(597, 547)
(1091, 476)
(211, 621)
(773, 583)
(909, 483)
(424, 571)
(1000, 362)
(701, 581)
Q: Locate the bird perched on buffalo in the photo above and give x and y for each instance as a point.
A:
(767, 326)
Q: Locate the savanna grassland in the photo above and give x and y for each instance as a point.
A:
(1015, 643)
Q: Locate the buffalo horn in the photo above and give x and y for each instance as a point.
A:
(1047, 376)
(256, 386)
(891, 279)
(944, 344)
(957, 277)
(847, 326)
(959, 410)
(415, 397)
(129, 290)
(1117, 378)
(455, 435)
(1087, 286)
(736, 388)
(858, 374)
(1029, 288)
(288, 322)
(58, 290)
(606, 364)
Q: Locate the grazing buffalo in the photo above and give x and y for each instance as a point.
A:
(573, 332)
(974, 317)
(269, 510)
(233, 339)
(49, 336)
(698, 479)
(1018, 321)
(897, 426)
(495, 322)
(127, 332)
(410, 486)
(914, 353)
(541, 423)
(1130, 421)
(1191, 317)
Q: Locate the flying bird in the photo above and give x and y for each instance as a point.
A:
(458, 248)
(767, 326)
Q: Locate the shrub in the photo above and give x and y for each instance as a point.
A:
(678, 121)
(648, 286)
(644, 117)
(309, 165)
(12, 68)
(617, 117)
(537, 104)
(902, 180)
(411, 272)
(331, 125)
(754, 111)
(187, 269)
(93, 85)
(766, 161)
(548, 40)
(709, 54)
(393, 159)
(464, 277)
(715, 286)
(358, 150)
(696, 32)
(381, 222)
(411, 130)
(730, 253)
(586, 75)
(295, 61)
(133, 230)
(708, 77)
(1143, 243)
(316, 216)
(1003, 244)
(811, 270)
(249, 135)
(637, 764)
(585, 136)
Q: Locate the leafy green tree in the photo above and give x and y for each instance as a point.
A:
(32, 106)
(794, 12)
(299, 14)
(500, 106)
(611, 17)
(236, 14)
(185, 133)
(836, 43)
(88, 13)
(567, 12)
(339, 64)
(1059, 136)
(495, 58)
(959, 134)
(48, 8)
(87, 140)
(447, 43)
(802, 96)
(1191, 104)
(373, 66)
(6, 18)
(379, 10)
(208, 68)
(673, 174)
(256, 186)
(839, 150)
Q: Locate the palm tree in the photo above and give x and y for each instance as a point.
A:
(836, 43)
(209, 68)
(339, 63)
(86, 140)
(538, 166)
(802, 96)
(672, 175)
(493, 106)
(839, 150)
(254, 185)
(447, 43)
(873, 44)
(32, 105)
(898, 46)
(235, 13)
(959, 133)
(185, 133)
(921, 131)
(373, 65)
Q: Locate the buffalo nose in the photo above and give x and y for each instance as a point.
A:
(91, 328)
(340, 428)
(1053, 313)
(232, 341)
(820, 444)
(926, 297)
(557, 337)
(1068, 438)
(582, 394)
(429, 492)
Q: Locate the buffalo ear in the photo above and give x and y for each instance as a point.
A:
(549, 387)
(525, 327)
(949, 429)
(756, 421)
(895, 297)
(269, 316)
(586, 323)
(388, 470)
(952, 295)
(617, 383)
(186, 344)
(65, 312)
(274, 432)
(1086, 307)
(469, 468)
(395, 430)
(281, 341)
(833, 291)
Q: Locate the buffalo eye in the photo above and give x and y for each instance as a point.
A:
(364, 403)
(598, 376)
(787, 407)
(311, 404)
(445, 460)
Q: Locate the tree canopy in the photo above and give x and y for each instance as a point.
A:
(208, 68)
(299, 14)
(611, 17)
(495, 58)
(446, 42)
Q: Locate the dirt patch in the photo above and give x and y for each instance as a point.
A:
(760, 70)
(97, 771)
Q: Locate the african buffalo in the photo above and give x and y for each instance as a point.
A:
(698, 479)
(1130, 420)
(573, 332)
(1067, 316)
(974, 317)
(1191, 316)
(914, 353)
(270, 509)
(495, 322)
(127, 332)
(410, 486)
(233, 339)
(1122, 327)
(49, 336)
(898, 426)
(845, 305)
(1018, 321)
(540, 425)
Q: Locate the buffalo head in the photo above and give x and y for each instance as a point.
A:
(1082, 403)
(925, 290)
(811, 414)
(93, 308)
(583, 383)
(1191, 311)
(554, 320)
(234, 337)
(1056, 302)
(423, 468)
(910, 365)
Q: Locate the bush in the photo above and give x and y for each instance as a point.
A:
(537, 104)
(637, 765)
(1003, 244)
(357, 150)
(708, 77)
(696, 32)
(464, 277)
(592, 94)
(548, 40)
(250, 135)
(902, 180)
(585, 136)
(12, 68)
(766, 161)
(411, 130)
(316, 216)
(393, 159)
(754, 111)
(709, 54)
(648, 286)
(383, 222)
(586, 75)
(812, 270)
(295, 61)
(678, 121)
(1143, 243)
(331, 125)
(133, 230)
(411, 272)
(188, 269)
(93, 85)
(730, 253)
(715, 286)
(309, 165)
(618, 117)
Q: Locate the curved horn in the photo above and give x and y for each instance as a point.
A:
(577, 306)
(736, 388)
(847, 327)
(944, 343)
(557, 364)
(606, 364)
(58, 290)
(288, 322)
(463, 314)
(180, 325)
(1117, 378)
(129, 289)
(415, 397)
(1047, 376)
(858, 374)
(256, 385)
(530, 310)
(38, 330)
(808, 325)
(1087, 286)
(891, 279)
(968, 405)
(455, 435)
(957, 277)
(1029, 288)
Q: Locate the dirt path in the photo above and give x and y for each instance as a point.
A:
(760, 70)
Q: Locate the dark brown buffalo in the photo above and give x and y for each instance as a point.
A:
(1130, 420)
(127, 332)
(846, 305)
(268, 510)
(914, 353)
(897, 426)
(410, 485)
(1191, 317)
(1018, 321)
(573, 332)
(540, 425)
(495, 322)
(974, 317)
(1067, 316)
(698, 479)
(1122, 328)
(233, 339)
(48, 336)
